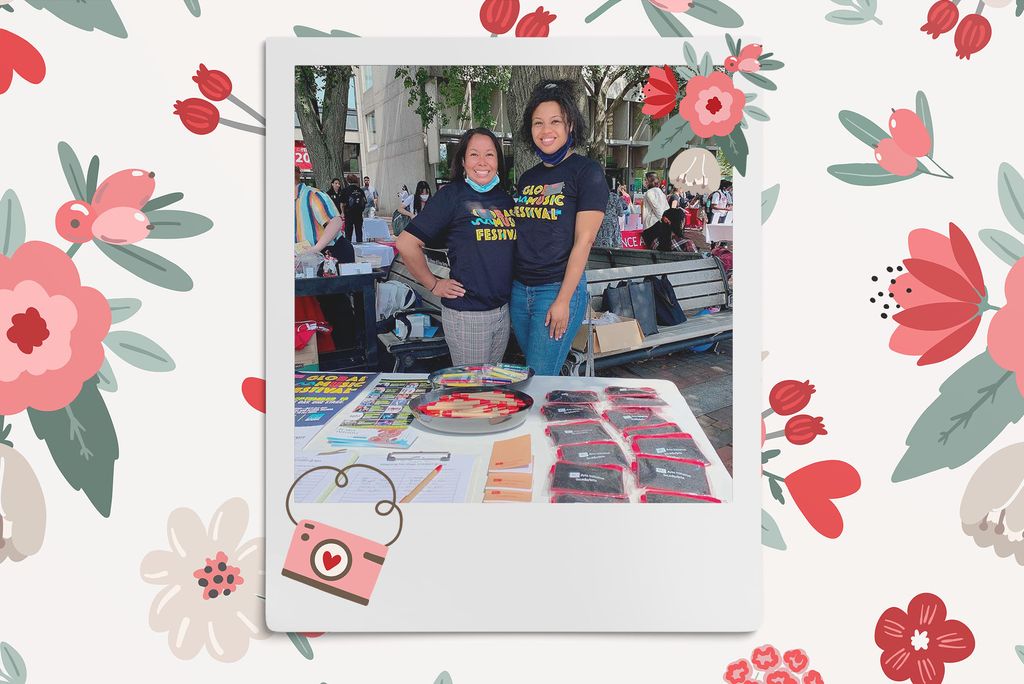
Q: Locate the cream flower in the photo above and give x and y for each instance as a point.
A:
(22, 509)
(992, 510)
(212, 582)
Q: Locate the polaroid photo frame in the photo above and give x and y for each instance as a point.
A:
(503, 567)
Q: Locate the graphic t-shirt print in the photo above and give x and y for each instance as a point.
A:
(491, 224)
(544, 202)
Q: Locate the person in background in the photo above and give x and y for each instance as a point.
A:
(372, 197)
(674, 200)
(627, 202)
(655, 201)
(472, 217)
(353, 201)
(721, 202)
(559, 208)
(335, 193)
(609, 234)
(413, 204)
(667, 234)
(695, 218)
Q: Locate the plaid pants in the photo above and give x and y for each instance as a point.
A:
(476, 336)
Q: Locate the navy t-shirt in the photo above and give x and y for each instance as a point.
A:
(546, 206)
(480, 233)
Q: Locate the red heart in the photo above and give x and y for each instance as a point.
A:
(330, 560)
(814, 486)
(255, 392)
(796, 660)
(18, 55)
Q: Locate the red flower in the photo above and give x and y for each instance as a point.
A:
(813, 677)
(199, 116)
(917, 644)
(942, 17)
(972, 35)
(796, 660)
(941, 296)
(712, 105)
(660, 92)
(738, 672)
(499, 16)
(790, 396)
(18, 55)
(214, 85)
(802, 429)
(814, 486)
(781, 677)
(535, 24)
(766, 657)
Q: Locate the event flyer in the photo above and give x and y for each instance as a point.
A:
(319, 396)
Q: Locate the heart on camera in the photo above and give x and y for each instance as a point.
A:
(18, 56)
(331, 560)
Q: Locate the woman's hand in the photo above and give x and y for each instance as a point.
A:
(446, 288)
(557, 319)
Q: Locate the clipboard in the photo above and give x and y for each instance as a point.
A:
(419, 457)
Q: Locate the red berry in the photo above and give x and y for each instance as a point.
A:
(128, 188)
(893, 159)
(74, 221)
(121, 226)
(910, 133)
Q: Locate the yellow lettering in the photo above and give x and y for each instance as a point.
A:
(559, 200)
(479, 234)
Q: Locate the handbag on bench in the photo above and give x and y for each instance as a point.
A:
(632, 299)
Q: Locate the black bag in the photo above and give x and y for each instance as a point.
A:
(665, 303)
(633, 300)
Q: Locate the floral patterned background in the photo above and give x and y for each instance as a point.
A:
(894, 283)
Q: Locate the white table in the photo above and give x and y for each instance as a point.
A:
(366, 249)
(376, 229)
(479, 446)
(714, 232)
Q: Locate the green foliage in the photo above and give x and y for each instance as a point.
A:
(468, 89)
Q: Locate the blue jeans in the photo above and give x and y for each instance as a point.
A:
(528, 308)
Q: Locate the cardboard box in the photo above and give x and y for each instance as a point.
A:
(307, 358)
(610, 337)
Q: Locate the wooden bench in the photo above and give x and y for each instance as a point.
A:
(407, 352)
(615, 257)
(697, 283)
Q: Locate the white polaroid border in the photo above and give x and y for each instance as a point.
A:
(527, 568)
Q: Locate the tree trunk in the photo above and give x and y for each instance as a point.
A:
(521, 85)
(323, 128)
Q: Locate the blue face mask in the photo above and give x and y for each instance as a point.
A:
(483, 188)
(556, 156)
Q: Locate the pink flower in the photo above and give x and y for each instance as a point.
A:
(1004, 334)
(781, 676)
(51, 329)
(738, 672)
(796, 660)
(712, 105)
(766, 657)
(673, 5)
(917, 644)
(941, 296)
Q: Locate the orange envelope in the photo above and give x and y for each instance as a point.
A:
(507, 495)
(513, 480)
(511, 453)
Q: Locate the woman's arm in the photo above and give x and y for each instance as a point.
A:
(587, 225)
(410, 248)
(331, 230)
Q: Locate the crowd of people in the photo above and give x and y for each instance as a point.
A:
(517, 254)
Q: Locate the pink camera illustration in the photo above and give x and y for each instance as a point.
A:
(333, 560)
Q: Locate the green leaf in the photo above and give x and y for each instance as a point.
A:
(769, 455)
(776, 489)
(690, 55)
(866, 174)
(846, 17)
(675, 133)
(731, 42)
(1020, 649)
(666, 23)
(307, 32)
(771, 64)
(72, 169)
(12, 224)
(124, 308)
(735, 147)
(92, 178)
(862, 128)
(975, 405)
(151, 267)
(1011, 196)
(83, 444)
(760, 81)
(714, 12)
(86, 15)
(771, 535)
(14, 664)
(756, 113)
(170, 224)
(769, 198)
(1003, 245)
(139, 351)
(105, 375)
(1020, 7)
(750, 97)
(707, 65)
(924, 112)
(443, 678)
(193, 7)
(162, 201)
(301, 643)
